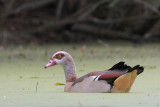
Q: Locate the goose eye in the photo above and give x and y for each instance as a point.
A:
(59, 57)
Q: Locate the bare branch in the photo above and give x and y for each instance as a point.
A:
(31, 6)
(103, 22)
(153, 31)
(89, 11)
(149, 6)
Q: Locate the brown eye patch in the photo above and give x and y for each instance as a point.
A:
(59, 56)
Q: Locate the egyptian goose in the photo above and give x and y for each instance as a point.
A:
(119, 78)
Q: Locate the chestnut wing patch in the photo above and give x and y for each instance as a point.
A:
(88, 75)
(110, 77)
(103, 74)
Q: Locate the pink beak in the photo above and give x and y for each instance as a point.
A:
(52, 62)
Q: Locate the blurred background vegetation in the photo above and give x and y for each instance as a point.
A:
(50, 21)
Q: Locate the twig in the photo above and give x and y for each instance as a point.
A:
(112, 4)
(92, 9)
(80, 11)
(154, 30)
(59, 9)
(36, 86)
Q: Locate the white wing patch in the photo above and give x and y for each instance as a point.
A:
(95, 78)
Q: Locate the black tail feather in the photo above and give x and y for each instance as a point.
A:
(120, 66)
(139, 68)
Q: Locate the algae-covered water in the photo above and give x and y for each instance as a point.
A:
(25, 83)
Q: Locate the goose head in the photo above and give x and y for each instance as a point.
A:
(61, 58)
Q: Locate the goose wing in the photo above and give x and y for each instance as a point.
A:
(108, 75)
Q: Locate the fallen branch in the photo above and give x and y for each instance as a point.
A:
(111, 21)
(61, 23)
(153, 8)
(103, 31)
